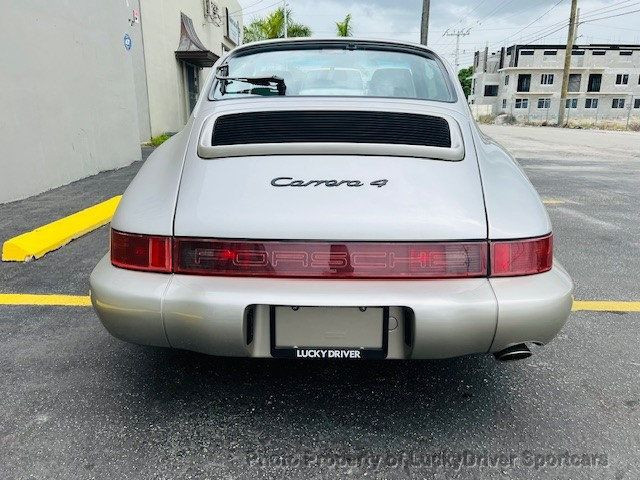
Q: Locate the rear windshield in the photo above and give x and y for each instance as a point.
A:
(335, 72)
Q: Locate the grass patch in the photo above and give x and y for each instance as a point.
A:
(160, 139)
(486, 119)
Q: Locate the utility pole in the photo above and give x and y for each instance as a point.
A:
(286, 23)
(457, 34)
(424, 28)
(567, 62)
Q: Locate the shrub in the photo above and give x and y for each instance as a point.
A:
(486, 119)
(160, 139)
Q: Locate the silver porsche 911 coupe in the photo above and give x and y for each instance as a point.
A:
(332, 199)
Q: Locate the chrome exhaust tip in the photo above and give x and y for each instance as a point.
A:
(514, 352)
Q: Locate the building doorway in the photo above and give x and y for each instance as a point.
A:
(192, 87)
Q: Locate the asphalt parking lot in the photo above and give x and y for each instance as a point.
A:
(77, 403)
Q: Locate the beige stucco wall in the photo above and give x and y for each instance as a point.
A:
(161, 31)
(67, 103)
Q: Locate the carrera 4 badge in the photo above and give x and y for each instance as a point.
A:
(291, 182)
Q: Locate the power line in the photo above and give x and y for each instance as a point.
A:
(609, 6)
(501, 4)
(548, 30)
(260, 1)
(565, 24)
(264, 8)
(610, 16)
(467, 15)
(533, 21)
(608, 10)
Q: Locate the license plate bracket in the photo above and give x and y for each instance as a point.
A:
(293, 346)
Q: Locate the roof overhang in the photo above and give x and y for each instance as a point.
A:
(199, 58)
(190, 49)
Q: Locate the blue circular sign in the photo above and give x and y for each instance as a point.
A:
(127, 41)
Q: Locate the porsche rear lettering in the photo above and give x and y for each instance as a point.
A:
(332, 260)
(291, 182)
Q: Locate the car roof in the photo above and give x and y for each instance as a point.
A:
(346, 40)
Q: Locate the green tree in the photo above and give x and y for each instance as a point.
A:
(464, 75)
(272, 26)
(344, 28)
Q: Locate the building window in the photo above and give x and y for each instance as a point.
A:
(524, 82)
(617, 103)
(591, 103)
(544, 102)
(625, 53)
(504, 103)
(622, 79)
(526, 52)
(473, 86)
(636, 103)
(522, 102)
(506, 79)
(571, 103)
(550, 52)
(598, 52)
(577, 52)
(546, 79)
(595, 80)
(491, 90)
(574, 82)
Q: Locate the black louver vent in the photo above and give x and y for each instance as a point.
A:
(331, 126)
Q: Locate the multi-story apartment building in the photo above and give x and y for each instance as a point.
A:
(526, 81)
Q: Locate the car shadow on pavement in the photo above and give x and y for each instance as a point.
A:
(440, 397)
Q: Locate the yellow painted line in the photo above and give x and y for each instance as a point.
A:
(42, 240)
(85, 301)
(553, 201)
(52, 300)
(605, 306)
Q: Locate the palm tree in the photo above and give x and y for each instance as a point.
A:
(272, 26)
(344, 28)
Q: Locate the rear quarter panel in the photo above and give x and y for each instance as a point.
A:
(514, 208)
(149, 202)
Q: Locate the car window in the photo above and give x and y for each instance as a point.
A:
(336, 71)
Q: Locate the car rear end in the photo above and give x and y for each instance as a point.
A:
(329, 227)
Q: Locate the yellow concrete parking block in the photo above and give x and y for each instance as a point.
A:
(51, 300)
(38, 242)
(605, 306)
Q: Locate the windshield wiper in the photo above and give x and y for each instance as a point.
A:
(262, 81)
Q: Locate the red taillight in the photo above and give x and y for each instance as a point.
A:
(329, 260)
(141, 252)
(521, 257)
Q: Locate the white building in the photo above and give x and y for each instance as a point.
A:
(526, 81)
(180, 40)
(83, 83)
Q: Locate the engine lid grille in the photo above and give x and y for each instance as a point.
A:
(318, 131)
(317, 126)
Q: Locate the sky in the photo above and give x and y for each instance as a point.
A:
(492, 22)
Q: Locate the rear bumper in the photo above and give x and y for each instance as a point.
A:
(230, 316)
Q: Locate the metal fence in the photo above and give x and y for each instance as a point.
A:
(616, 112)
